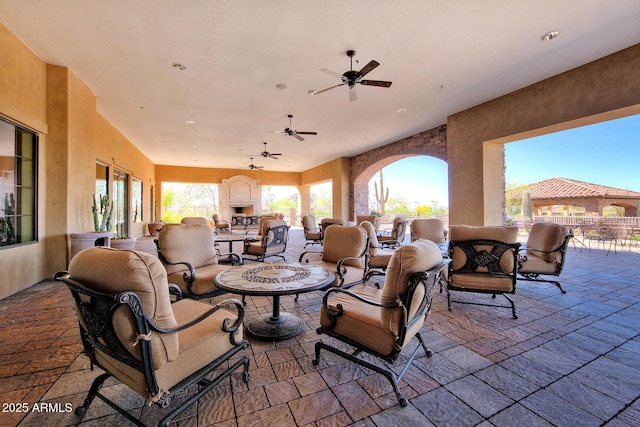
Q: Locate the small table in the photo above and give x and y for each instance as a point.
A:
(230, 239)
(274, 280)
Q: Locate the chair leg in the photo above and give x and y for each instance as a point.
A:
(390, 375)
(93, 391)
(207, 387)
(513, 305)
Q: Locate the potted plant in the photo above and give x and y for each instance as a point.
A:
(123, 242)
(155, 226)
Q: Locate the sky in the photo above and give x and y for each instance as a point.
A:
(606, 153)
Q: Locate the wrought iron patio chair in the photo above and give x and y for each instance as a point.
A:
(131, 330)
(544, 253)
(381, 322)
(273, 241)
(484, 260)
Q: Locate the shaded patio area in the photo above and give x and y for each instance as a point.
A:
(568, 360)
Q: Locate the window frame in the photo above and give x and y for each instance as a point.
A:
(20, 183)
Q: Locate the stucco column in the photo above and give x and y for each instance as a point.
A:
(582, 96)
(305, 199)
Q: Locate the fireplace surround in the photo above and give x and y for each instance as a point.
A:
(240, 195)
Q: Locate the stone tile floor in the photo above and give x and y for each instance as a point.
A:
(568, 360)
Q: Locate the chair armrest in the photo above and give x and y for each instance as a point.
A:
(352, 295)
(342, 270)
(175, 290)
(227, 326)
(189, 276)
(303, 254)
(391, 242)
(235, 258)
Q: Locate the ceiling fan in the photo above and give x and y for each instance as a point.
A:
(352, 77)
(265, 153)
(291, 131)
(254, 167)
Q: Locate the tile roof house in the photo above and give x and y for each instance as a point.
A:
(593, 197)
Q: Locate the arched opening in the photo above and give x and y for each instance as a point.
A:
(410, 185)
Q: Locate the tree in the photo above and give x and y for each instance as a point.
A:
(424, 210)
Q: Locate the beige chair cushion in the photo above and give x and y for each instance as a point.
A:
(187, 243)
(204, 282)
(375, 220)
(360, 321)
(112, 271)
(271, 223)
(421, 255)
(483, 281)
(468, 232)
(371, 232)
(325, 222)
(345, 241)
(352, 275)
(309, 224)
(428, 228)
(191, 220)
(199, 345)
(546, 237)
(378, 258)
(535, 264)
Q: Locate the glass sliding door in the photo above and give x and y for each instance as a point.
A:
(120, 203)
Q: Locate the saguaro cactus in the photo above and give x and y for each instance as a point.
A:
(379, 199)
(527, 205)
(102, 213)
(10, 217)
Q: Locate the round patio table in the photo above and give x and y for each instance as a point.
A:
(274, 280)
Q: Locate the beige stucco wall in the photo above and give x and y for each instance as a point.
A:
(23, 100)
(600, 90)
(52, 101)
(338, 172)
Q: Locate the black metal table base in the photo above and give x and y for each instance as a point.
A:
(268, 328)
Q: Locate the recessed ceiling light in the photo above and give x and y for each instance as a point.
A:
(281, 86)
(550, 35)
(178, 66)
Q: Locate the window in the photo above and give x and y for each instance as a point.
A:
(18, 178)
(102, 179)
(120, 203)
(136, 209)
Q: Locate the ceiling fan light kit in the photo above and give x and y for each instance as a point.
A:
(265, 153)
(291, 131)
(352, 77)
(254, 167)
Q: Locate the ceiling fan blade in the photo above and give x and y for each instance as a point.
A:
(333, 73)
(352, 93)
(307, 133)
(368, 68)
(379, 83)
(316, 92)
(298, 137)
